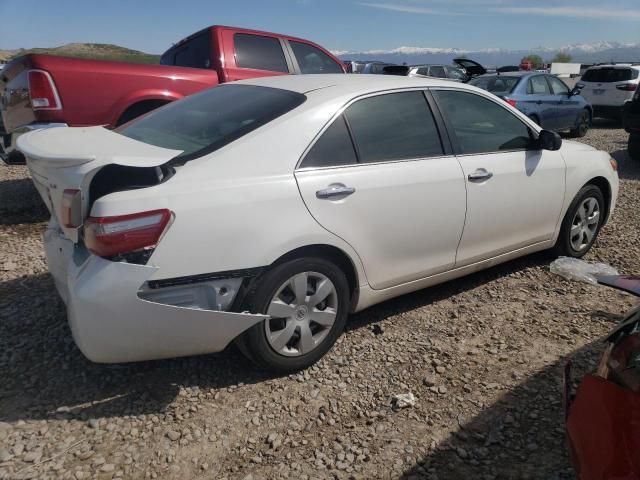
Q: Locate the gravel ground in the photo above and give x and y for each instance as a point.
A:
(482, 356)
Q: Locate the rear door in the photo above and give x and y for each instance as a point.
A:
(397, 198)
(514, 190)
(253, 56)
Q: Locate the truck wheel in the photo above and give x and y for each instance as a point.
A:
(633, 146)
(308, 301)
(584, 122)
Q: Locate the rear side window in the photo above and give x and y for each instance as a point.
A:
(609, 75)
(437, 72)
(194, 53)
(333, 148)
(209, 120)
(496, 83)
(393, 126)
(480, 125)
(259, 53)
(538, 86)
(313, 60)
(423, 71)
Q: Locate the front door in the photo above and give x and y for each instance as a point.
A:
(396, 198)
(515, 191)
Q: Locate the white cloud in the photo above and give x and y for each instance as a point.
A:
(575, 12)
(396, 7)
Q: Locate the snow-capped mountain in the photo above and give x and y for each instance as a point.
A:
(581, 52)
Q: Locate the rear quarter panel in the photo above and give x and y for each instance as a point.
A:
(238, 207)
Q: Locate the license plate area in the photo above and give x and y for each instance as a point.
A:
(598, 91)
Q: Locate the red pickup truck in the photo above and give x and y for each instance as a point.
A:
(42, 91)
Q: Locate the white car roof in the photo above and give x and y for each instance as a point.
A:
(347, 84)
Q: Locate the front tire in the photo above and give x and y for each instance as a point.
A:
(633, 146)
(584, 122)
(581, 223)
(308, 301)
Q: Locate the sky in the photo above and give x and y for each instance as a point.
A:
(340, 25)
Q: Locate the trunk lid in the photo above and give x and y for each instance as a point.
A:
(69, 158)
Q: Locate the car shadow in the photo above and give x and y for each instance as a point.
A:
(36, 344)
(21, 203)
(492, 445)
(600, 123)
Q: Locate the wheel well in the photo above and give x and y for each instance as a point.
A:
(332, 254)
(139, 108)
(605, 188)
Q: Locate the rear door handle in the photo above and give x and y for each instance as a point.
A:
(539, 102)
(335, 190)
(480, 175)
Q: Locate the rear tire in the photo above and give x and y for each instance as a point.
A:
(309, 301)
(581, 223)
(584, 122)
(633, 146)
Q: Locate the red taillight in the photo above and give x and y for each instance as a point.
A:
(42, 91)
(108, 236)
(71, 208)
(627, 87)
(511, 102)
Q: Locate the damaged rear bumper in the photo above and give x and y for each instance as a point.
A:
(109, 321)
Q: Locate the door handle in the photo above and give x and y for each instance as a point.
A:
(335, 190)
(539, 102)
(480, 175)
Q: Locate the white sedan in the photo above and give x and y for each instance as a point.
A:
(265, 211)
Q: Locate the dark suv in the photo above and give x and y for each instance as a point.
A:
(631, 122)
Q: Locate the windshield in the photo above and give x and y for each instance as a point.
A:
(496, 83)
(206, 121)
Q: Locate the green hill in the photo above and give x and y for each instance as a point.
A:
(96, 51)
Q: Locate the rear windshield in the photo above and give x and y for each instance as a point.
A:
(209, 120)
(496, 83)
(608, 75)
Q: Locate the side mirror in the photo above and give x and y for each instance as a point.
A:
(576, 90)
(548, 140)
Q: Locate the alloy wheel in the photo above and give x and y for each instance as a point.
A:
(303, 311)
(585, 224)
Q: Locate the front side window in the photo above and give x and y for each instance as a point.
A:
(193, 53)
(437, 72)
(313, 60)
(393, 126)
(209, 120)
(423, 71)
(558, 86)
(456, 73)
(333, 148)
(259, 53)
(538, 86)
(480, 125)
